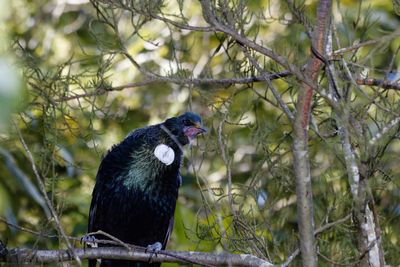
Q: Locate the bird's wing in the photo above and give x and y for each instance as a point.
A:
(93, 209)
(92, 217)
(107, 172)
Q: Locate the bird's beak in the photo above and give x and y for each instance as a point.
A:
(192, 131)
(201, 128)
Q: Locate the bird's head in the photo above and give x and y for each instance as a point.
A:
(185, 127)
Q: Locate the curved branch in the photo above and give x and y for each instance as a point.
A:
(210, 18)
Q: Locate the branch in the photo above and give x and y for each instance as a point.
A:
(155, 79)
(322, 229)
(274, 91)
(181, 81)
(332, 224)
(127, 251)
(385, 84)
(210, 18)
(384, 130)
(301, 161)
(182, 26)
(42, 188)
(29, 256)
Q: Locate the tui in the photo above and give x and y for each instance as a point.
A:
(137, 185)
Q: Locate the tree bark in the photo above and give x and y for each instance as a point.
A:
(300, 147)
(19, 256)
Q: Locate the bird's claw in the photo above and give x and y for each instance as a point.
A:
(89, 240)
(153, 249)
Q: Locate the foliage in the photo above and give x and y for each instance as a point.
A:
(95, 71)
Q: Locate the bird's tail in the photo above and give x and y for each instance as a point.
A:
(92, 263)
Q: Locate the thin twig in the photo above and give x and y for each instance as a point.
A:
(384, 130)
(173, 137)
(274, 91)
(209, 16)
(24, 229)
(385, 84)
(113, 238)
(44, 193)
(331, 224)
(227, 162)
(323, 228)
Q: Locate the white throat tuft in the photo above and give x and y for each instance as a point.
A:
(165, 154)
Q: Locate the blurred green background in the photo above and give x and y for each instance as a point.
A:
(55, 55)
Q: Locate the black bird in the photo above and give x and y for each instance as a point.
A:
(137, 185)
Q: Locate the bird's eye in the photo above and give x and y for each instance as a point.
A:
(187, 122)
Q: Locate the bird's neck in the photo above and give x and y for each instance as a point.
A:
(147, 172)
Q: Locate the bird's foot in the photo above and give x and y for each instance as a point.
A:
(89, 240)
(153, 249)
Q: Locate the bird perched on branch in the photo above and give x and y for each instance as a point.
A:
(137, 185)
